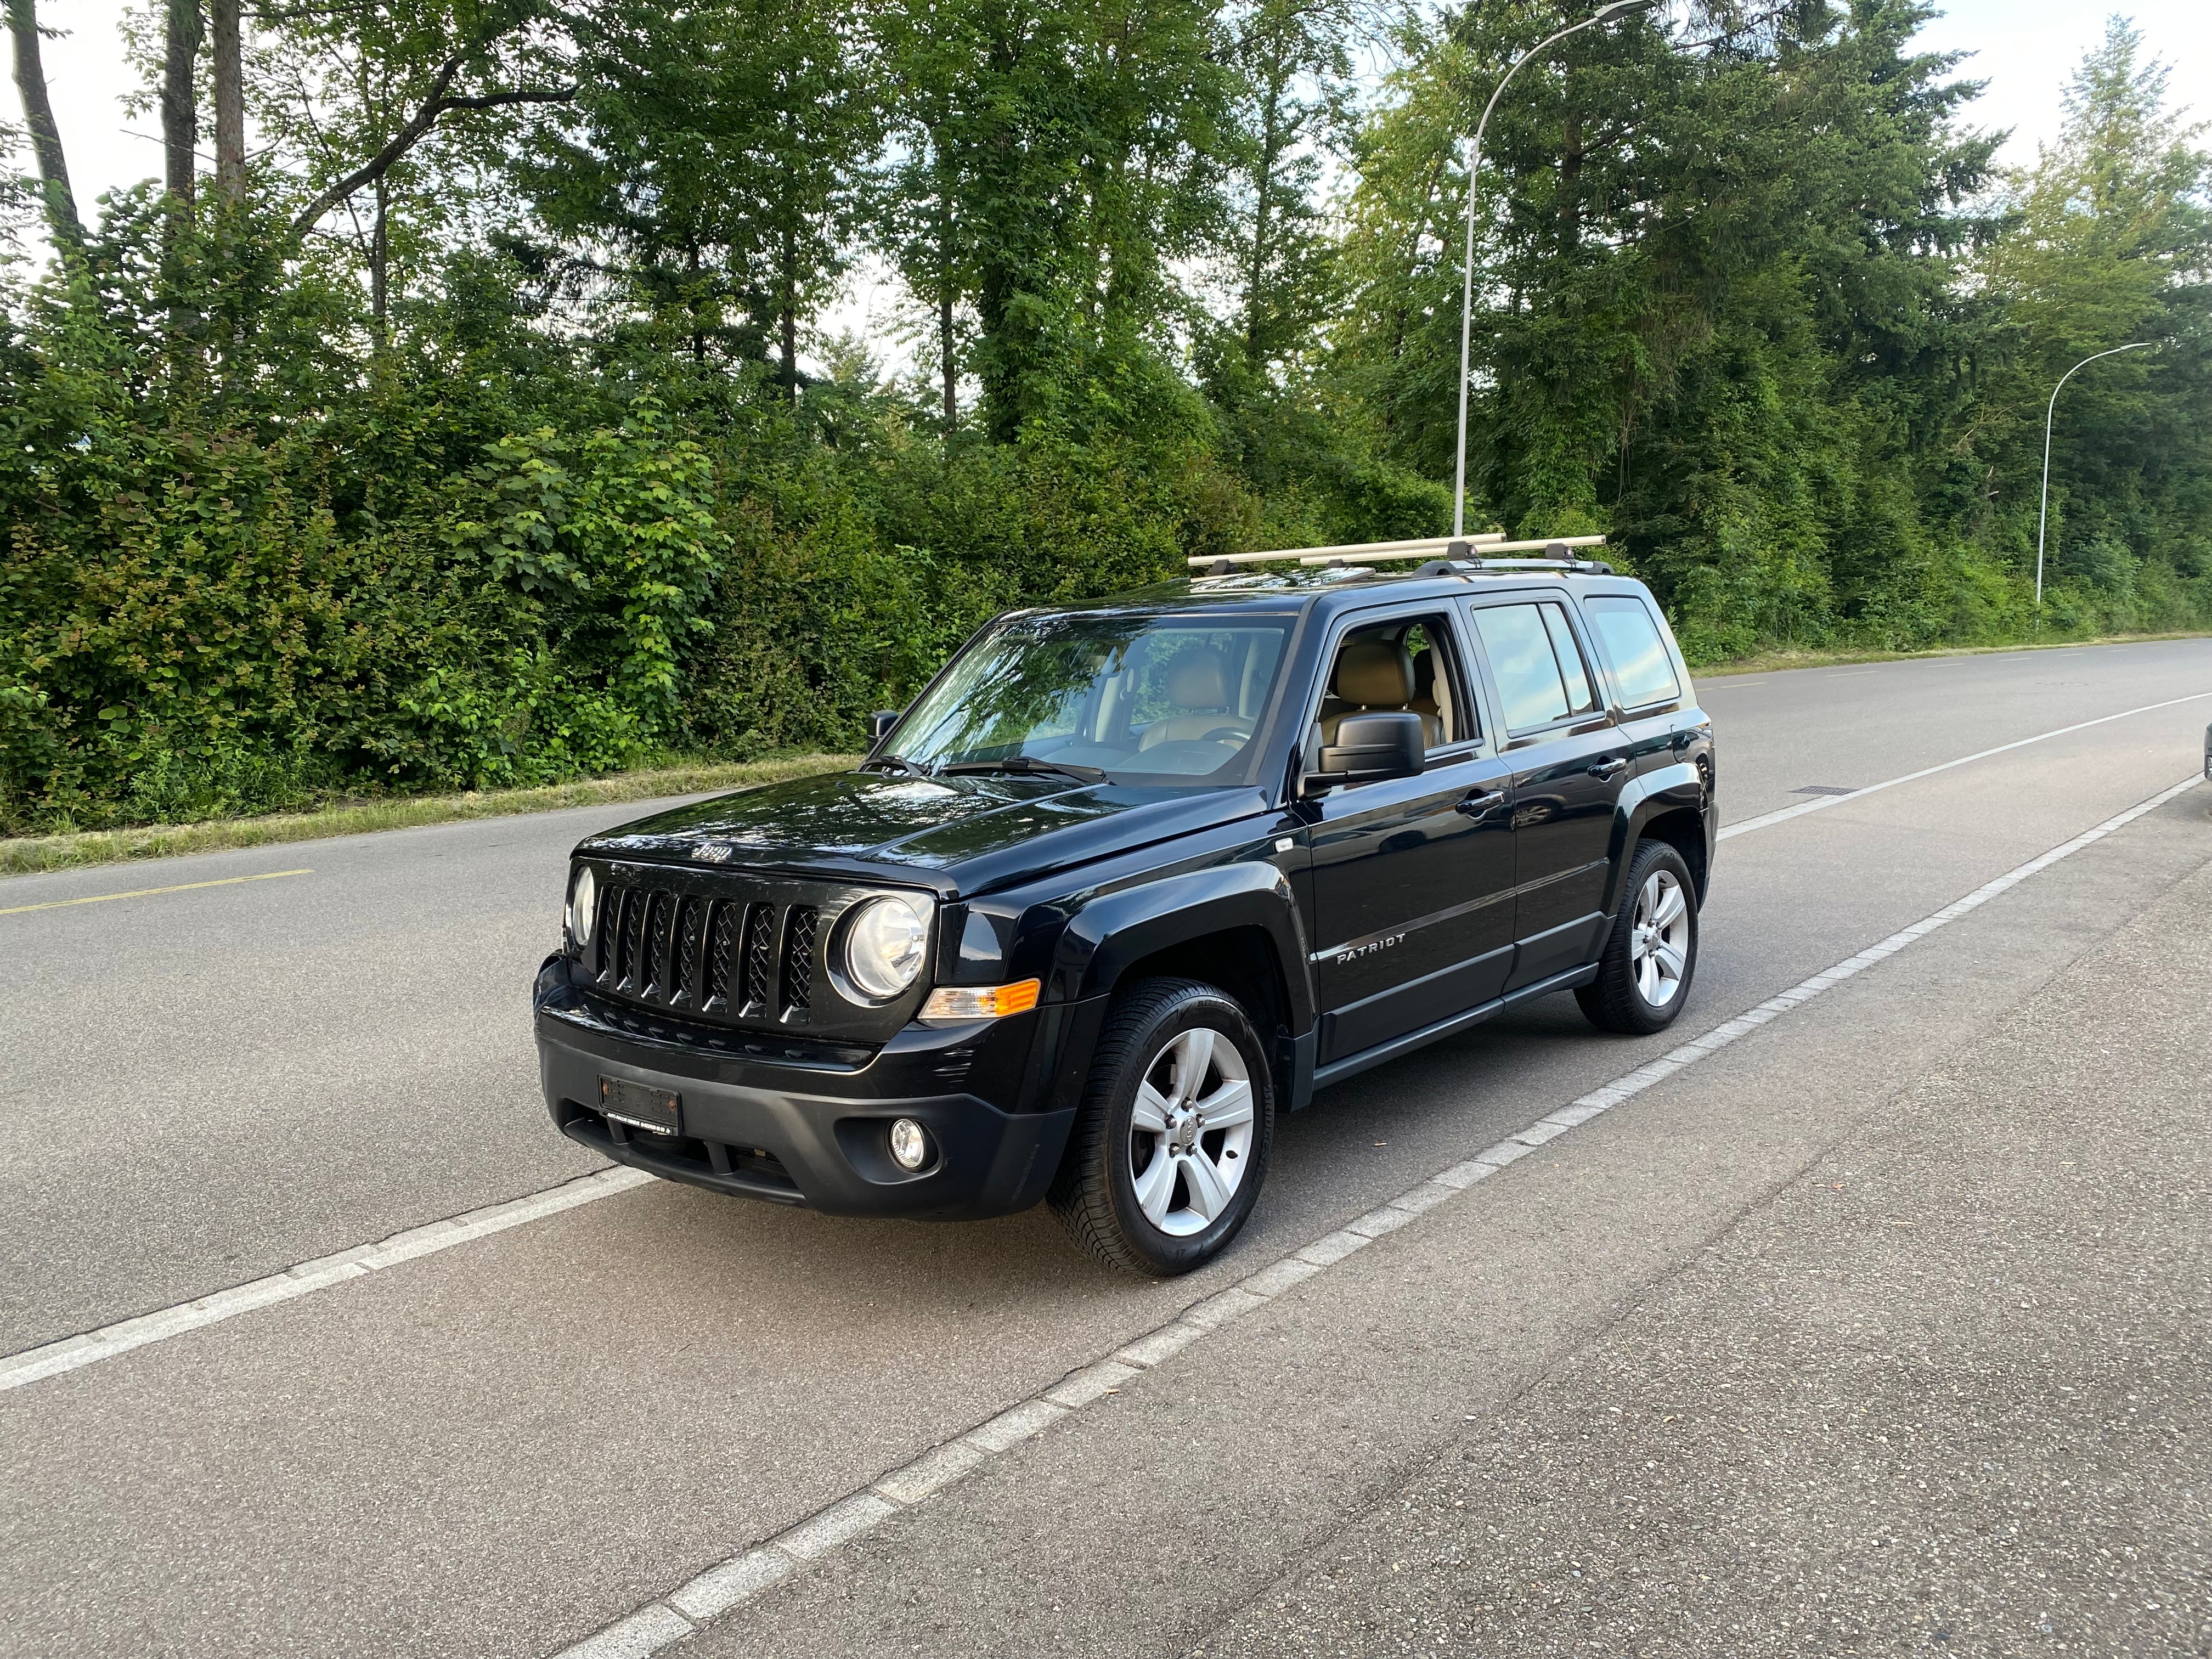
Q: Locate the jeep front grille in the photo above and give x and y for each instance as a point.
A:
(686, 950)
(759, 954)
(719, 948)
(799, 958)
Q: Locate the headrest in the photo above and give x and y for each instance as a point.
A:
(1374, 674)
(1425, 675)
(1200, 679)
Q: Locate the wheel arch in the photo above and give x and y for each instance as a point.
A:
(1670, 804)
(1235, 927)
(1682, 828)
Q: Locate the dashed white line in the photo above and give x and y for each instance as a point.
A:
(1822, 803)
(730, 1583)
(70, 1353)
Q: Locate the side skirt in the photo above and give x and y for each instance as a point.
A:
(1336, 1071)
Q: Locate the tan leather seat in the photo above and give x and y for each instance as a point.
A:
(1374, 676)
(1199, 683)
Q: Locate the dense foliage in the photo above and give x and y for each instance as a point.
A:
(475, 426)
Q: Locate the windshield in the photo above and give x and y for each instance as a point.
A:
(1137, 698)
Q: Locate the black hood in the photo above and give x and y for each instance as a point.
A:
(979, 830)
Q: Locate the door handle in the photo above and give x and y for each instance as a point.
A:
(1479, 802)
(1606, 771)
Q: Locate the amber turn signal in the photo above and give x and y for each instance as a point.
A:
(980, 1001)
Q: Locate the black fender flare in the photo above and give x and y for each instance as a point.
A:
(1111, 930)
(1663, 789)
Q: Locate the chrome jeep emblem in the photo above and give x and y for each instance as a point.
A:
(712, 852)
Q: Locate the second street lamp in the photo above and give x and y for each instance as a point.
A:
(1618, 8)
(2043, 513)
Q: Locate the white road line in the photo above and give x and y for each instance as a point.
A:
(71, 1353)
(758, 1566)
(1822, 802)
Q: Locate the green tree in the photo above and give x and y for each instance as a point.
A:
(715, 158)
(2112, 243)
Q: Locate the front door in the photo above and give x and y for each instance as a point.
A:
(1567, 766)
(1413, 878)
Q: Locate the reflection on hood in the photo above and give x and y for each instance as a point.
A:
(926, 823)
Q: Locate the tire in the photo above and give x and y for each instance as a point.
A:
(1644, 977)
(1163, 1200)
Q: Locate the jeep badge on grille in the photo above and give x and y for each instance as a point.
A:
(712, 852)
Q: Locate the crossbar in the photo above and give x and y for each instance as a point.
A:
(1422, 547)
(1370, 556)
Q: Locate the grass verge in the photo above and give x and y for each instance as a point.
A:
(1770, 662)
(27, 854)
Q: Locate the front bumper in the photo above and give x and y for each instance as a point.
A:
(810, 1123)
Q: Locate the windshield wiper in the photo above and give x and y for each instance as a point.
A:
(1029, 765)
(893, 763)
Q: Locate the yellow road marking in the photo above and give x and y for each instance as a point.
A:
(148, 892)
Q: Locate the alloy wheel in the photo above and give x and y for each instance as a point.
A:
(1190, 1132)
(1658, 949)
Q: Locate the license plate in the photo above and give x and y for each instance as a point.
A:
(650, 1109)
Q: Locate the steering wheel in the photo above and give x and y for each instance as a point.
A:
(1233, 734)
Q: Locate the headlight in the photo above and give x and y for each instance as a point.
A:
(883, 945)
(583, 906)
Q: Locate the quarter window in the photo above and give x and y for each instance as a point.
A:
(1641, 666)
(1538, 668)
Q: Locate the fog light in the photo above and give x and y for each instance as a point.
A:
(909, 1146)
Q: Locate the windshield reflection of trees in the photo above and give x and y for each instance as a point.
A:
(1048, 679)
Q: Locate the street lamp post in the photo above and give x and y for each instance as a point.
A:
(2043, 513)
(1466, 273)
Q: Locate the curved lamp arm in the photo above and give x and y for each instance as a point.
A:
(2043, 513)
(1467, 269)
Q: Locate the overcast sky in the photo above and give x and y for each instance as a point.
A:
(2025, 49)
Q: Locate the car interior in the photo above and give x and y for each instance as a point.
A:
(1198, 688)
(1393, 667)
(1179, 702)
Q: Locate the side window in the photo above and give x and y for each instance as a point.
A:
(1641, 666)
(1407, 664)
(1575, 672)
(1540, 674)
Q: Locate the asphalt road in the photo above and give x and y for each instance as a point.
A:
(506, 1446)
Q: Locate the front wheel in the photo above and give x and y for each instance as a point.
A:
(1644, 977)
(1171, 1143)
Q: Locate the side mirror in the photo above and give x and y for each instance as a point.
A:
(880, 724)
(1369, 748)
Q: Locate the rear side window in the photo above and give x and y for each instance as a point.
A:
(1641, 667)
(1536, 663)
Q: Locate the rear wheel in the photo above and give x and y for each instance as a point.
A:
(1171, 1143)
(1644, 977)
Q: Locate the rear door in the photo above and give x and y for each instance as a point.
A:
(1412, 878)
(1568, 764)
(1649, 688)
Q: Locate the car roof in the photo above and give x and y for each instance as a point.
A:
(1332, 589)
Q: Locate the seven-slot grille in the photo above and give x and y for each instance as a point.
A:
(742, 958)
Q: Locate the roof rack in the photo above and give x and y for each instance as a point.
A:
(1462, 555)
(1421, 547)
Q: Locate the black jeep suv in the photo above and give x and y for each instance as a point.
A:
(1129, 878)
